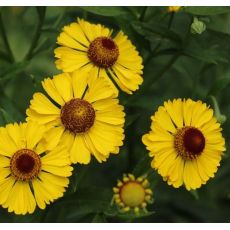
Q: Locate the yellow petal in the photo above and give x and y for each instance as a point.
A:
(59, 156)
(79, 81)
(7, 145)
(16, 134)
(49, 87)
(192, 178)
(74, 30)
(20, 200)
(79, 152)
(41, 104)
(34, 133)
(65, 39)
(5, 188)
(53, 136)
(63, 84)
(98, 90)
(69, 59)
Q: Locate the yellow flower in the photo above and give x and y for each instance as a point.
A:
(30, 174)
(173, 8)
(85, 45)
(132, 194)
(83, 113)
(185, 142)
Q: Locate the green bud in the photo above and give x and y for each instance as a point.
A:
(197, 27)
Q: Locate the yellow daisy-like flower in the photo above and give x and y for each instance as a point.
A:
(132, 194)
(85, 115)
(30, 174)
(174, 8)
(185, 142)
(86, 45)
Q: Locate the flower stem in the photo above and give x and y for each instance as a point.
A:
(5, 40)
(171, 20)
(37, 35)
(142, 17)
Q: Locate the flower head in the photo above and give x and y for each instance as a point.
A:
(85, 46)
(132, 194)
(30, 174)
(185, 142)
(83, 113)
(173, 8)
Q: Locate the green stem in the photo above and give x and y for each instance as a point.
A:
(36, 37)
(142, 17)
(5, 40)
(220, 117)
(171, 20)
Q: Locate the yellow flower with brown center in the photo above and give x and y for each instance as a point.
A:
(84, 45)
(83, 113)
(185, 142)
(174, 8)
(30, 174)
(132, 194)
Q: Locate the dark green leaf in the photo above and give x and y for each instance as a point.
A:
(12, 70)
(219, 85)
(154, 29)
(99, 218)
(132, 216)
(207, 10)
(131, 119)
(211, 55)
(41, 11)
(106, 10)
(7, 118)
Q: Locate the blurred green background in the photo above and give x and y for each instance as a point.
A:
(178, 63)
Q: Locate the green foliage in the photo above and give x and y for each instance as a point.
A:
(177, 63)
(207, 10)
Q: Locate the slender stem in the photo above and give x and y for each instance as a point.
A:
(142, 17)
(36, 37)
(5, 40)
(171, 20)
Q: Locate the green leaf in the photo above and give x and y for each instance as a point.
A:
(106, 10)
(77, 176)
(219, 85)
(99, 218)
(90, 200)
(207, 10)
(12, 70)
(131, 215)
(142, 166)
(7, 118)
(45, 45)
(211, 55)
(41, 11)
(130, 119)
(154, 30)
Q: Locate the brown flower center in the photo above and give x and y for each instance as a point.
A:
(25, 165)
(189, 142)
(77, 116)
(103, 52)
